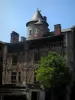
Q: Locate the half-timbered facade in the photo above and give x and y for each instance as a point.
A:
(20, 58)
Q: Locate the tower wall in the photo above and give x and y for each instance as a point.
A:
(37, 27)
(36, 31)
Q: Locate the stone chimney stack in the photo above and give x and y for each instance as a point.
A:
(57, 29)
(14, 37)
(23, 39)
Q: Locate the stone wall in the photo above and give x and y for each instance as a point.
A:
(26, 63)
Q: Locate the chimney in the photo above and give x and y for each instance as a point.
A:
(23, 39)
(14, 37)
(57, 29)
(45, 18)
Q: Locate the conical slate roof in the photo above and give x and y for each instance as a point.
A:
(37, 16)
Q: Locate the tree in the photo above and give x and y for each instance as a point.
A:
(53, 71)
(54, 75)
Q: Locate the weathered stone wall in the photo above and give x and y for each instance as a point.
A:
(36, 31)
(26, 63)
(70, 49)
(21, 66)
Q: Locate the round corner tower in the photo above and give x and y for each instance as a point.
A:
(37, 27)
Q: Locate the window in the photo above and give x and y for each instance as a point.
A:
(13, 77)
(35, 56)
(14, 59)
(37, 31)
(19, 77)
(30, 31)
(34, 77)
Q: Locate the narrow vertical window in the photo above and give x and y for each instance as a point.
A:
(30, 31)
(34, 77)
(14, 59)
(13, 77)
(35, 56)
(19, 77)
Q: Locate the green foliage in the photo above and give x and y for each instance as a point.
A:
(52, 71)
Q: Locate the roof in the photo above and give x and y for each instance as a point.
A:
(30, 44)
(39, 43)
(21, 46)
(15, 47)
(1, 42)
(66, 30)
(37, 16)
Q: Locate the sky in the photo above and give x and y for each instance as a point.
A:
(14, 14)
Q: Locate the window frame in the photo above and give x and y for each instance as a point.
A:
(13, 60)
(30, 31)
(13, 77)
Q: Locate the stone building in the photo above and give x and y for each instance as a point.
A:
(19, 59)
